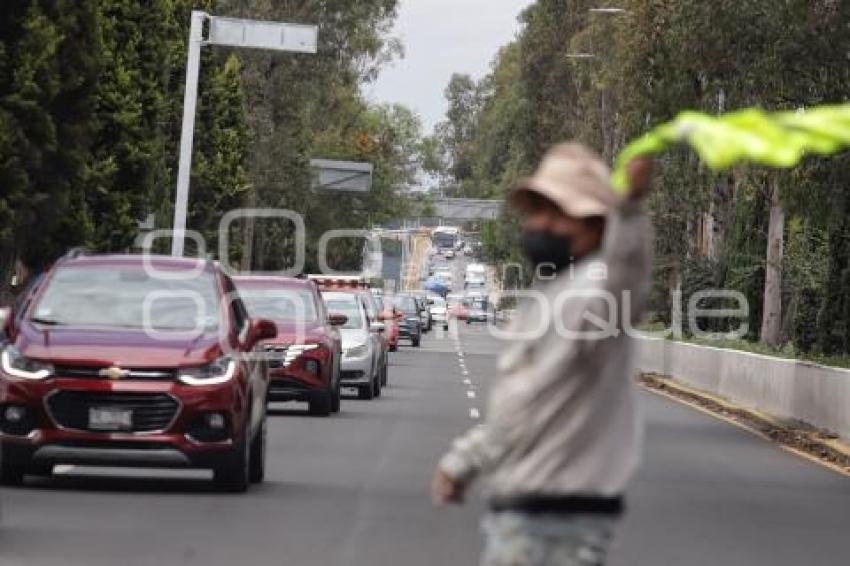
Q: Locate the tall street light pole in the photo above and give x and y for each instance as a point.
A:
(229, 32)
(607, 141)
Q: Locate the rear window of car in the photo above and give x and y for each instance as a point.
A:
(280, 304)
(406, 305)
(347, 305)
(128, 296)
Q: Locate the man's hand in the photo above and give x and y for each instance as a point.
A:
(640, 178)
(445, 490)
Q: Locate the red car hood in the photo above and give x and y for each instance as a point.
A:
(128, 348)
(292, 333)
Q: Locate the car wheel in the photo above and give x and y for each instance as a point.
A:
(415, 341)
(385, 376)
(41, 470)
(257, 470)
(234, 474)
(11, 474)
(336, 398)
(377, 385)
(366, 392)
(321, 404)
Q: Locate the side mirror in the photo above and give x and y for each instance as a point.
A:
(337, 319)
(263, 329)
(377, 327)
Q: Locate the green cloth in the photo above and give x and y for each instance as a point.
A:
(779, 139)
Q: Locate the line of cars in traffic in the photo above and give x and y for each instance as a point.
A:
(473, 305)
(153, 361)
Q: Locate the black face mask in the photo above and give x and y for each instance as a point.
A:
(547, 250)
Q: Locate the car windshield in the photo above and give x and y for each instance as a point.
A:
(406, 305)
(280, 304)
(348, 307)
(129, 297)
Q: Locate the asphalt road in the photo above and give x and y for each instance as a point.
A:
(352, 490)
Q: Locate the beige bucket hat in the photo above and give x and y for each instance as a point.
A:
(573, 177)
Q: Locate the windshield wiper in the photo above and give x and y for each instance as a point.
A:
(46, 321)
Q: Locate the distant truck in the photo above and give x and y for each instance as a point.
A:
(476, 274)
(445, 238)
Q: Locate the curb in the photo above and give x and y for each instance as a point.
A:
(819, 446)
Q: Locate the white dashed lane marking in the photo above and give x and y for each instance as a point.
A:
(474, 413)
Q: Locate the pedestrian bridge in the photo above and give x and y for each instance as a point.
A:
(463, 209)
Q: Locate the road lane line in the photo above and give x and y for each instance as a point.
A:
(470, 394)
(474, 414)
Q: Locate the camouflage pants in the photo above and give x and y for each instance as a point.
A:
(517, 539)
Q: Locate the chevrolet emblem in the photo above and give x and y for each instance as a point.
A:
(114, 373)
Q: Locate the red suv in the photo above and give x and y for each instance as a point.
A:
(304, 357)
(144, 361)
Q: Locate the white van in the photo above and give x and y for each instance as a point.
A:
(476, 274)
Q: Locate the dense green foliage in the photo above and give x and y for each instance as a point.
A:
(90, 103)
(91, 100)
(648, 63)
(312, 107)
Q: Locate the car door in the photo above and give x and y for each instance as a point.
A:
(374, 316)
(257, 366)
(376, 346)
(331, 332)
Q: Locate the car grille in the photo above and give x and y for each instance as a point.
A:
(152, 412)
(91, 372)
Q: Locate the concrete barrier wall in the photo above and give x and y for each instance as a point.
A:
(790, 389)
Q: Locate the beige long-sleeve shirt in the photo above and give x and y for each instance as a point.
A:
(563, 416)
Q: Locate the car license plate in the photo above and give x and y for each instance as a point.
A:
(110, 418)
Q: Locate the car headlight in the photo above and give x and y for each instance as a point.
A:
(17, 365)
(358, 351)
(220, 371)
(296, 350)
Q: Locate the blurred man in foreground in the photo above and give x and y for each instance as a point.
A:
(562, 435)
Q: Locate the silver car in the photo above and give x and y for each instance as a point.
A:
(362, 364)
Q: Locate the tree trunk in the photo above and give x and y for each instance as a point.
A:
(677, 323)
(248, 228)
(771, 322)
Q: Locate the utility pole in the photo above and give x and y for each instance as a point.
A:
(230, 32)
(187, 134)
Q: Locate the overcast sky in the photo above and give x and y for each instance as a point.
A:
(442, 37)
